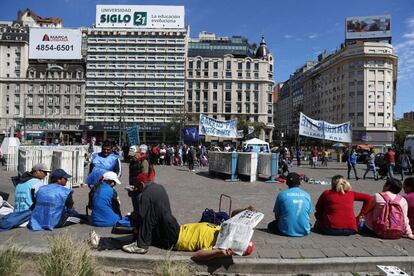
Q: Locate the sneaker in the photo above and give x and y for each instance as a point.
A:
(134, 248)
(94, 239)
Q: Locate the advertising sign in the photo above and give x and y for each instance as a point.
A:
(213, 127)
(324, 130)
(368, 27)
(48, 43)
(142, 17)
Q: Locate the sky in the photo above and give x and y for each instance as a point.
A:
(295, 30)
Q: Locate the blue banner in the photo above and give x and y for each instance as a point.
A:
(133, 135)
(213, 127)
(190, 134)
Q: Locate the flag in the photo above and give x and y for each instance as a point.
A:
(190, 134)
(250, 130)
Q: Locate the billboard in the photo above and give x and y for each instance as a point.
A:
(48, 43)
(368, 27)
(141, 17)
(214, 127)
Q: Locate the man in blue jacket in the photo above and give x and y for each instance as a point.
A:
(29, 183)
(53, 206)
(104, 201)
(105, 161)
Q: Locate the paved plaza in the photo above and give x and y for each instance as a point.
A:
(191, 192)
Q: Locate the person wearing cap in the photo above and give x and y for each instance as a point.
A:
(292, 210)
(53, 206)
(29, 184)
(105, 161)
(104, 201)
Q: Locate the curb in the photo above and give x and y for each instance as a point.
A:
(240, 265)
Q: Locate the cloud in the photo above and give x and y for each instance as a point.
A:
(405, 52)
(287, 36)
(313, 36)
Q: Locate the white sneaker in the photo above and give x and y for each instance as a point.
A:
(94, 239)
(134, 248)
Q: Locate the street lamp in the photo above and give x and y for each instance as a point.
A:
(121, 96)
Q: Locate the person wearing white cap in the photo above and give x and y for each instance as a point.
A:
(104, 201)
(29, 183)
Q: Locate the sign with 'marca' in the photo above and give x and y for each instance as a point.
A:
(59, 43)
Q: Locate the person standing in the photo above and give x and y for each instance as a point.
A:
(191, 158)
(325, 156)
(105, 161)
(29, 184)
(371, 164)
(314, 157)
(351, 162)
(298, 156)
(292, 210)
(405, 164)
(390, 161)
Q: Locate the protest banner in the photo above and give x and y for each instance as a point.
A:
(323, 130)
(133, 135)
(213, 127)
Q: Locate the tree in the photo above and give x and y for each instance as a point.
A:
(243, 124)
(404, 127)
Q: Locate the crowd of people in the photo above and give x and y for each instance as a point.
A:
(386, 214)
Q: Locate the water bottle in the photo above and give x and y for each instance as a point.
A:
(361, 223)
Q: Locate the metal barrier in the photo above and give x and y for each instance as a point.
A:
(69, 158)
(223, 162)
(247, 164)
(268, 166)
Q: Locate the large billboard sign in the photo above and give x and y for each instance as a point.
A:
(141, 17)
(48, 43)
(368, 27)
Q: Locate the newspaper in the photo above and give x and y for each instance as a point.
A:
(237, 232)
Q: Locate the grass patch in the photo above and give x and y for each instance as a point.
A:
(169, 267)
(10, 260)
(67, 257)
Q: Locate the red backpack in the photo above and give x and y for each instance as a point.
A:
(390, 223)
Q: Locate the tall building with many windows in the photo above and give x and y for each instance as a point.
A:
(134, 76)
(14, 57)
(228, 78)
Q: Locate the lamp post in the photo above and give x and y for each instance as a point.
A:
(121, 114)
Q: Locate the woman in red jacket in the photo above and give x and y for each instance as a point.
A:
(335, 209)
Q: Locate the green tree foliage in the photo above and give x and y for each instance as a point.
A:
(404, 127)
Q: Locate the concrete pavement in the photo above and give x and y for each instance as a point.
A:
(190, 193)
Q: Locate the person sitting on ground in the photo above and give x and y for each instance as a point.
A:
(292, 209)
(104, 201)
(334, 210)
(53, 206)
(409, 196)
(158, 227)
(391, 207)
(103, 162)
(29, 184)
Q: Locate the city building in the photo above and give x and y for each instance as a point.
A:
(358, 84)
(409, 115)
(134, 76)
(283, 114)
(228, 78)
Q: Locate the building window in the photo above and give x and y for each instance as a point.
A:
(228, 108)
(197, 95)
(247, 96)
(215, 74)
(228, 85)
(205, 95)
(189, 107)
(206, 65)
(215, 65)
(205, 85)
(228, 96)
(205, 73)
(269, 98)
(269, 109)
(228, 74)
(190, 95)
(256, 108)
(190, 65)
(215, 85)
(247, 65)
(240, 66)
(247, 86)
(197, 106)
(239, 86)
(198, 64)
(239, 75)
(215, 108)
(239, 96)
(256, 96)
(256, 66)
(247, 107)
(228, 65)
(205, 107)
(198, 85)
(269, 120)
(214, 96)
(256, 86)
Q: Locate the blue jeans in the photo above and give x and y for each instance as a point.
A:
(391, 167)
(404, 171)
(371, 167)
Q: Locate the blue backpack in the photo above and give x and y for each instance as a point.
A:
(217, 218)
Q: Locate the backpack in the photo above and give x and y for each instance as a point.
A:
(390, 223)
(217, 218)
